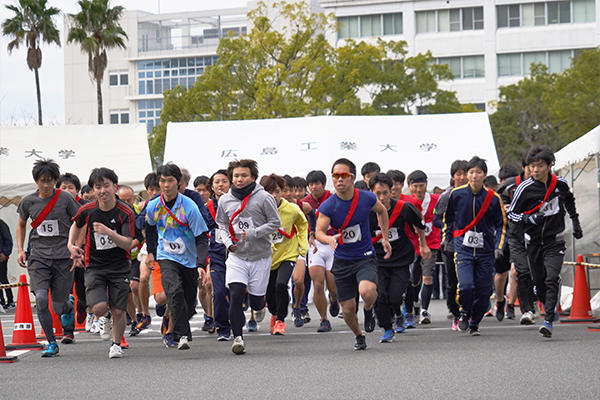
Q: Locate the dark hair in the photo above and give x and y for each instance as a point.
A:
(169, 169)
(490, 181)
(45, 167)
(543, 153)
(369, 167)
(362, 185)
(246, 163)
(69, 178)
(316, 176)
(219, 172)
(396, 175)
(289, 181)
(346, 162)
(99, 174)
(416, 177)
(202, 180)
(477, 162)
(272, 182)
(151, 180)
(299, 182)
(380, 178)
(458, 165)
(508, 171)
(86, 189)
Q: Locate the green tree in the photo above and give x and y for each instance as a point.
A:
(96, 28)
(33, 23)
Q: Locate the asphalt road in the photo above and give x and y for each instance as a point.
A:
(428, 362)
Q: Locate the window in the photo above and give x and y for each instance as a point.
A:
(370, 25)
(154, 77)
(425, 21)
(113, 80)
(558, 61)
(123, 79)
(149, 113)
(530, 58)
(114, 118)
(513, 15)
(125, 118)
(348, 27)
(509, 64)
(559, 12)
(452, 20)
(453, 64)
(542, 13)
(465, 67)
(472, 18)
(479, 106)
(118, 78)
(392, 24)
(119, 116)
(584, 11)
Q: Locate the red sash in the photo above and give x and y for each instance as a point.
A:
(288, 235)
(211, 208)
(235, 214)
(77, 198)
(518, 180)
(42, 216)
(170, 213)
(486, 204)
(550, 190)
(395, 213)
(325, 197)
(349, 216)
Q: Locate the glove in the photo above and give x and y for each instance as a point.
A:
(577, 231)
(498, 254)
(535, 219)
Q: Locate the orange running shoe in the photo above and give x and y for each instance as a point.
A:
(279, 328)
(273, 320)
(124, 344)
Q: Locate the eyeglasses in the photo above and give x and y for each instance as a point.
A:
(342, 175)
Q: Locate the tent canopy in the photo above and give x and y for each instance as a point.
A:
(579, 149)
(295, 146)
(77, 149)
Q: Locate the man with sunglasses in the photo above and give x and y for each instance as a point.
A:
(354, 264)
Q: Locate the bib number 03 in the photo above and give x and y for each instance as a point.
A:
(473, 240)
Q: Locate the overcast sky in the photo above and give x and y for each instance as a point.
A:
(18, 104)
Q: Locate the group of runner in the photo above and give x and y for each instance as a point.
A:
(236, 241)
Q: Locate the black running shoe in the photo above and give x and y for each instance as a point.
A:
(361, 343)
(474, 331)
(463, 322)
(510, 311)
(369, 320)
(500, 310)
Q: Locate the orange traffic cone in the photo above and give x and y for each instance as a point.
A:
(3, 357)
(56, 325)
(580, 309)
(24, 330)
(594, 328)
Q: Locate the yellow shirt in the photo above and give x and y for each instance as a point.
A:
(285, 249)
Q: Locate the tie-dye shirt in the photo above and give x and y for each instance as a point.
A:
(176, 242)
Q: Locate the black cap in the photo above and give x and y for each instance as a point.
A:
(416, 177)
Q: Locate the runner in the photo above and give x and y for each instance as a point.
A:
(48, 264)
(320, 256)
(70, 183)
(177, 233)
(109, 227)
(246, 216)
(354, 265)
(87, 193)
(202, 186)
(540, 204)
(368, 170)
(393, 274)
(475, 218)
(290, 243)
(397, 178)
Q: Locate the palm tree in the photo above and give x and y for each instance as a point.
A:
(96, 28)
(33, 23)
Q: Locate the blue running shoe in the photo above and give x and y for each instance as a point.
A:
(160, 309)
(410, 321)
(51, 350)
(298, 320)
(223, 336)
(325, 326)
(252, 326)
(68, 320)
(400, 324)
(546, 329)
(169, 342)
(388, 336)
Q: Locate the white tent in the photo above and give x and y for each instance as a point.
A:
(296, 146)
(579, 149)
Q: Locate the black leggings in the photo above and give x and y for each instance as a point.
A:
(278, 298)
(237, 293)
(391, 285)
(4, 280)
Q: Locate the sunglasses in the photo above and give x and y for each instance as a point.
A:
(342, 175)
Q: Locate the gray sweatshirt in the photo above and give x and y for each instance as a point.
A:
(259, 219)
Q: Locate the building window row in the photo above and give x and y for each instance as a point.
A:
(156, 76)
(518, 64)
(118, 78)
(370, 25)
(545, 13)
(465, 66)
(453, 20)
(149, 112)
(119, 116)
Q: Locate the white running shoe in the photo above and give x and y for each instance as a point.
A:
(115, 351)
(527, 318)
(259, 315)
(183, 343)
(89, 322)
(105, 324)
(238, 345)
(95, 329)
(425, 318)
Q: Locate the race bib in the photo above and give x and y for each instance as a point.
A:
(48, 228)
(242, 224)
(392, 234)
(175, 247)
(351, 234)
(550, 207)
(103, 242)
(428, 228)
(276, 237)
(473, 240)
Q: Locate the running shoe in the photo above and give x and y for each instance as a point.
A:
(474, 331)
(160, 309)
(133, 331)
(500, 310)
(325, 326)
(454, 323)
(369, 320)
(223, 336)
(105, 325)
(164, 325)
(305, 316)
(89, 321)
(68, 320)
(425, 318)
(546, 329)
(124, 344)
(183, 343)
(115, 351)
(360, 343)
(259, 315)
(209, 325)
(95, 329)
(279, 328)
(463, 321)
(10, 306)
(334, 307)
(272, 324)
(527, 318)
(510, 311)
(144, 322)
(410, 321)
(388, 336)
(252, 326)
(169, 342)
(238, 345)
(51, 350)
(400, 324)
(298, 320)
(68, 338)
